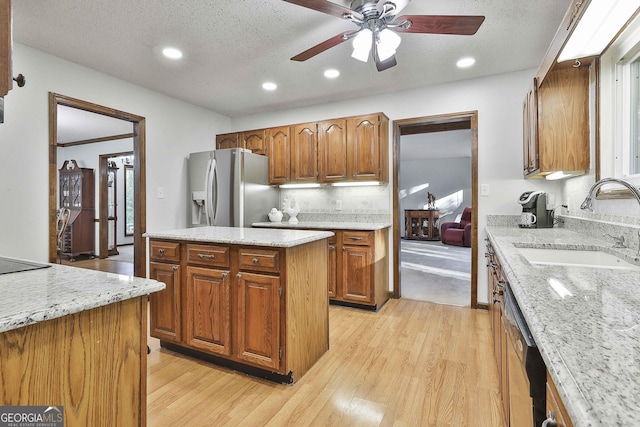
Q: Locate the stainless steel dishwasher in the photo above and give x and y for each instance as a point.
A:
(527, 372)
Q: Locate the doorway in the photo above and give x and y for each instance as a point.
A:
(447, 122)
(139, 174)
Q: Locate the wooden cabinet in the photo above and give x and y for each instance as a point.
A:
(530, 132)
(278, 151)
(77, 193)
(422, 224)
(556, 410)
(164, 266)
(367, 147)
(496, 308)
(243, 304)
(208, 310)
(6, 78)
(255, 140)
(228, 140)
(359, 268)
(259, 319)
(304, 153)
(561, 124)
(344, 149)
(332, 150)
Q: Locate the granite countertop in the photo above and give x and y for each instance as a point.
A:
(325, 225)
(34, 296)
(242, 236)
(590, 338)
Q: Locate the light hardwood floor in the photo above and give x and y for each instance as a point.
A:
(410, 364)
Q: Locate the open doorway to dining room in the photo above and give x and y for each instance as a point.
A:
(435, 157)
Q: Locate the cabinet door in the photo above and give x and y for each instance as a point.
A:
(333, 269)
(555, 408)
(356, 274)
(165, 305)
(255, 141)
(228, 140)
(6, 77)
(530, 132)
(208, 308)
(332, 150)
(278, 151)
(258, 325)
(304, 153)
(364, 148)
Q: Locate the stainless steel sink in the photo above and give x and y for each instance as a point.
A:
(8, 265)
(577, 258)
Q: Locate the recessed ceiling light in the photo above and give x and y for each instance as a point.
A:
(269, 86)
(465, 62)
(331, 73)
(172, 53)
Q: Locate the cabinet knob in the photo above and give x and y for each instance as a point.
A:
(344, 249)
(550, 421)
(175, 268)
(500, 284)
(238, 276)
(224, 275)
(255, 260)
(161, 251)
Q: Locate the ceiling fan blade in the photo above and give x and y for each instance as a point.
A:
(324, 7)
(386, 64)
(399, 5)
(321, 47)
(440, 24)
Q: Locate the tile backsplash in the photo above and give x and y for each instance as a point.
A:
(354, 200)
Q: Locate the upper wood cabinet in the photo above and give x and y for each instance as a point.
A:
(304, 153)
(227, 140)
(255, 141)
(279, 149)
(344, 149)
(367, 147)
(6, 81)
(332, 150)
(562, 126)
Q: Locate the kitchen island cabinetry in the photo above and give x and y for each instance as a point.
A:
(556, 412)
(164, 266)
(255, 300)
(76, 339)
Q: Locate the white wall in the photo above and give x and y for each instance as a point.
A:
(173, 127)
(498, 100)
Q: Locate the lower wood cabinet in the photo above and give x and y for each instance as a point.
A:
(208, 310)
(556, 413)
(359, 267)
(261, 307)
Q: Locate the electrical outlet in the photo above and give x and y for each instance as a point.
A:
(338, 205)
(160, 192)
(484, 190)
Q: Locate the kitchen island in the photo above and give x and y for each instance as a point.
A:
(254, 300)
(584, 320)
(76, 339)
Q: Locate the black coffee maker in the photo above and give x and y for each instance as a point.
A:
(534, 210)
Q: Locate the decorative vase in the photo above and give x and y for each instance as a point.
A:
(275, 215)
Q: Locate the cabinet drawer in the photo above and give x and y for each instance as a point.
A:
(164, 251)
(217, 256)
(357, 238)
(259, 260)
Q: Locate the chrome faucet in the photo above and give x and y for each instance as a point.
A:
(588, 200)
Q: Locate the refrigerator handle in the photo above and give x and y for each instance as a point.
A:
(214, 191)
(208, 191)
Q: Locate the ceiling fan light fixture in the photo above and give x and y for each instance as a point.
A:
(387, 43)
(362, 45)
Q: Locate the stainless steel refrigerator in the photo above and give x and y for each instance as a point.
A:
(229, 188)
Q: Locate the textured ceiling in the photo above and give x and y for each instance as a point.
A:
(232, 47)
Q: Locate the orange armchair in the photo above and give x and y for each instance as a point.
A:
(457, 233)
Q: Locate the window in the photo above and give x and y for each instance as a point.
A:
(128, 200)
(633, 158)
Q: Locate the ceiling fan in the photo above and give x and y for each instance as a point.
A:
(378, 24)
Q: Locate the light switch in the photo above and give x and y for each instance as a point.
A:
(160, 192)
(484, 190)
